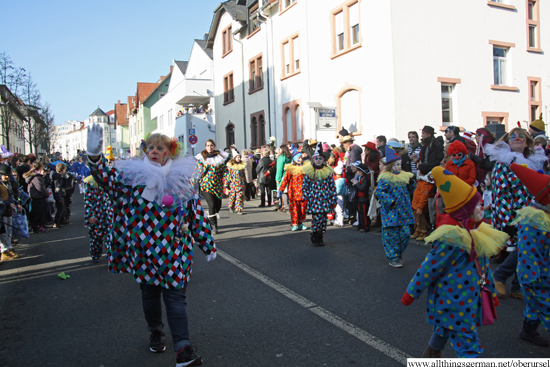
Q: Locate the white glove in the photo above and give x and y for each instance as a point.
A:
(210, 257)
(95, 140)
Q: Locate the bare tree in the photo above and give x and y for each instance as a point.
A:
(31, 97)
(45, 133)
(11, 79)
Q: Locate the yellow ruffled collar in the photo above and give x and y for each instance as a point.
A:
(401, 178)
(294, 169)
(317, 174)
(236, 167)
(533, 217)
(488, 241)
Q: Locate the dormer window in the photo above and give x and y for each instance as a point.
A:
(253, 21)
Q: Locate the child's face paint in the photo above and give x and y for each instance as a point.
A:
(396, 167)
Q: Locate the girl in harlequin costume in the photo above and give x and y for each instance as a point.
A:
(293, 179)
(395, 208)
(158, 221)
(98, 217)
(209, 174)
(450, 271)
(320, 192)
(533, 223)
(235, 181)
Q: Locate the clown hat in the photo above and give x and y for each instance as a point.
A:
(391, 155)
(455, 192)
(538, 124)
(537, 183)
(468, 135)
(296, 155)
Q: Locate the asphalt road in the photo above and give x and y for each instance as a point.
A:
(269, 299)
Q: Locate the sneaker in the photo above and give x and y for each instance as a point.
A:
(302, 227)
(240, 212)
(295, 228)
(356, 223)
(396, 264)
(232, 210)
(156, 344)
(9, 255)
(48, 225)
(187, 357)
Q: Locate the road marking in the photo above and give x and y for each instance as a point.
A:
(63, 239)
(342, 324)
(45, 266)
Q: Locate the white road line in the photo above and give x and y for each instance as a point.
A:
(44, 266)
(63, 239)
(349, 328)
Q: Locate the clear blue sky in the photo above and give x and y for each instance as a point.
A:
(88, 53)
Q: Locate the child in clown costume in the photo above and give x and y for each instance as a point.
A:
(158, 220)
(320, 192)
(98, 217)
(395, 209)
(293, 179)
(533, 223)
(235, 182)
(450, 271)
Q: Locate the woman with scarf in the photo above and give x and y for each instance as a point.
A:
(158, 221)
(450, 271)
(460, 165)
(235, 182)
(509, 196)
(209, 173)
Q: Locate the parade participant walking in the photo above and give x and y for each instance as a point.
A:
(340, 183)
(158, 221)
(457, 257)
(235, 182)
(292, 182)
(533, 245)
(362, 183)
(98, 217)
(283, 159)
(395, 209)
(320, 192)
(264, 178)
(510, 195)
(209, 173)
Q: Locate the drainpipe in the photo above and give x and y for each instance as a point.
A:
(268, 68)
(243, 84)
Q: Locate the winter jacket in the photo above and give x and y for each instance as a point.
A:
(21, 170)
(424, 190)
(466, 171)
(36, 185)
(261, 169)
(58, 185)
(340, 183)
(432, 153)
(363, 189)
(282, 161)
(353, 155)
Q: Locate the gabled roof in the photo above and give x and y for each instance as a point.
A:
(144, 90)
(237, 12)
(130, 103)
(209, 52)
(182, 65)
(98, 112)
(120, 114)
(161, 81)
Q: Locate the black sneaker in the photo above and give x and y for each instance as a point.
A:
(156, 344)
(186, 357)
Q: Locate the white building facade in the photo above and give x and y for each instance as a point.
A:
(385, 67)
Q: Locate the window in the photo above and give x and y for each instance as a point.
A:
(346, 28)
(533, 26)
(253, 21)
(290, 56)
(257, 129)
(161, 124)
(495, 118)
(349, 111)
(256, 81)
(499, 65)
(447, 103)
(227, 40)
(292, 121)
(534, 98)
(230, 134)
(285, 4)
(228, 92)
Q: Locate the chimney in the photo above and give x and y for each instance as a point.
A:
(205, 36)
(171, 68)
(119, 101)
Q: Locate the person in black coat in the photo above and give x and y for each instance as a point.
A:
(58, 187)
(433, 149)
(263, 179)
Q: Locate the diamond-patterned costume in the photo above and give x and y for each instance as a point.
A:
(235, 179)
(320, 192)
(210, 173)
(153, 243)
(97, 205)
(293, 179)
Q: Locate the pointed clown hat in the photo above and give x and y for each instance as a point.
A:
(391, 155)
(537, 183)
(110, 156)
(455, 192)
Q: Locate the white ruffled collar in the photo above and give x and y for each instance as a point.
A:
(213, 161)
(171, 179)
(502, 153)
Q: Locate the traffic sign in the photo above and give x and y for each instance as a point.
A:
(193, 139)
(191, 131)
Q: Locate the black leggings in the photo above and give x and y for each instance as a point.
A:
(214, 202)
